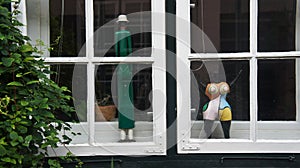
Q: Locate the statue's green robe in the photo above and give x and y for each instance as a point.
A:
(123, 48)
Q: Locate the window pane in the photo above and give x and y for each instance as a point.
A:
(276, 27)
(207, 73)
(226, 23)
(73, 77)
(277, 100)
(276, 90)
(139, 26)
(67, 27)
(122, 102)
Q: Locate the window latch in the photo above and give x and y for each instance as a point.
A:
(154, 150)
(189, 147)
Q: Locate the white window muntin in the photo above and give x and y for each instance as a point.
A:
(86, 145)
(184, 56)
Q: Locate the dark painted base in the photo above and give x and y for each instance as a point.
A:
(193, 161)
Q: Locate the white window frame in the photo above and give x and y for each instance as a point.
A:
(253, 144)
(90, 147)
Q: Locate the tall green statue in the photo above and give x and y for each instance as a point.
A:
(123, 48)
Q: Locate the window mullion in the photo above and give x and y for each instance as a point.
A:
(253, 26)
(90, 102)
(253, 99)
(182, 74)
(297, 88)
(89, 19)
(253, 68)
(297, 42)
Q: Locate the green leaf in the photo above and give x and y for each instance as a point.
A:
(44, 106)
(19, 75)
(14, 143)
(15, 83)
(2, 150)
(28, 138)
(16, 55)
(26, 48)
(22, 129)
(4, 52)
(2, 37)
(32, 82)
(7, 61)
(2, 141)
(24, 103)
(27, 59)
(29, 109)
(18, 119)
(26, 73)
(20, 139)
(64, 88)
(48, 114)
(9, 160)
(13, 135)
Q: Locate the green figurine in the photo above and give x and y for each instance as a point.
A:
(123, 48)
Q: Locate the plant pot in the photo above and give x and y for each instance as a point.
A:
(105, 113)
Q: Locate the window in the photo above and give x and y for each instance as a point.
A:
(86, 54)
(276, 90)
(252, 45)
(226, 23)
(277, 25)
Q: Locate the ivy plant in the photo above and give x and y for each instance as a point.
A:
(28, 100)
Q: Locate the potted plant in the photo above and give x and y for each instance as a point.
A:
(105, 110)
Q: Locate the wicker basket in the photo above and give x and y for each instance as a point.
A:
(105, 113)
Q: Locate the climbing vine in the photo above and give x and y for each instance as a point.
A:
(28, 100)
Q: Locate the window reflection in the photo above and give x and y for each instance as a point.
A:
(67, 27)
(107, 91)
(108, 10)
(70, 76)
(225, 22)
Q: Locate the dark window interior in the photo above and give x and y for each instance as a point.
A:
(276, 90)
(276, 25)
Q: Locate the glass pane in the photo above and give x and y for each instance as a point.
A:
(38, 23)
(123, 102)
(276, 90)
(276, 25)
(74, 76)
(109, 29)
(226, 23)
(67, 27)
(277, 114)
(220, 99)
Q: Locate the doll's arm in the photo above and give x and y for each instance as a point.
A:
(116, 44)
(129, 43)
